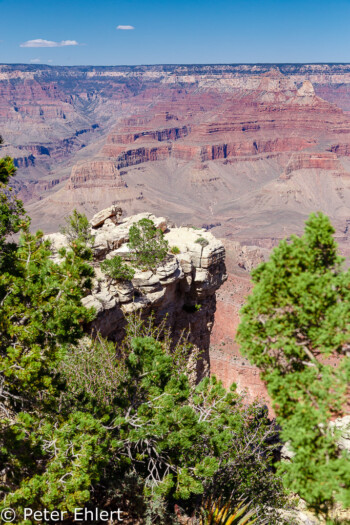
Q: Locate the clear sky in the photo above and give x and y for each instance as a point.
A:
(84, 32)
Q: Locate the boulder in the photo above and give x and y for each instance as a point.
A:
(99, 218)
(186, 239)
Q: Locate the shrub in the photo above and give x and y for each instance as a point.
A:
(202, 241)
(117, 269)
(182, 443)
(175, 250)
(147, 243)
(85, 376)
(78, 229)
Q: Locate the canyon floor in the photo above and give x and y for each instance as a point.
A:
(247, 151)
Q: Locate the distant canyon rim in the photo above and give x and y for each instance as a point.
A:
(247, 151)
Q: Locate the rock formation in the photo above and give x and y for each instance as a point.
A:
(181, 290)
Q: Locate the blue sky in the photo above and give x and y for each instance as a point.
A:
(84, 32)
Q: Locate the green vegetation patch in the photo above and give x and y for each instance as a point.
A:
(298, 316)
(147, 244)
(117, 269)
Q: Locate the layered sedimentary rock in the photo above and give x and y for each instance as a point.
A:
(312, 161)
(205, 144)
(181, 291)
(96, 174)
(247, 154)
(249, 123)
(226, 361)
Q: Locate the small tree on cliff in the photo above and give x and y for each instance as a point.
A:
(116, 269)
(296, 317)
(77, 229)
(147, 244)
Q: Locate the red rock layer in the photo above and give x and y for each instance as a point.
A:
(98, 172)
(275, 117)
(315, 161)
(226, 361)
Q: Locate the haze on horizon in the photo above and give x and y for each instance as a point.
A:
(120, 32)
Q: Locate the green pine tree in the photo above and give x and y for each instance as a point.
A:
(12, 214)
(41, 315)
(147, 244)
(297, 318)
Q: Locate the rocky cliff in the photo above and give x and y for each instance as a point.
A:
(182, 290)
(255, 148)
(226, 361)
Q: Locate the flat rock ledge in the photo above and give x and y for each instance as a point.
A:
(182, 288)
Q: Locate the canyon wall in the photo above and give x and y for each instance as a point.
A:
(236, 146)
(226, 361)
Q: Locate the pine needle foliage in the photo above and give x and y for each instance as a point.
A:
(77, 229)
(41, 315)
(180, 440)
(147, 244)
(297, 318)
(117, 269)
(12, 213)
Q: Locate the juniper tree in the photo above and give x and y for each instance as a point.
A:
(296, 319)
(147, 244)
